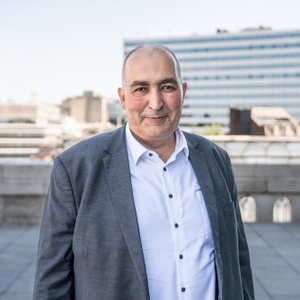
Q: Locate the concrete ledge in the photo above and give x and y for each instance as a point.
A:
(23, 188)
(21, 210)
(24, 178)
(267, 178)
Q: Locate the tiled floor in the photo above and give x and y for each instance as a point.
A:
(17, 260)
(275, 254)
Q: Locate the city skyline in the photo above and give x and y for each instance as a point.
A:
(58, 50)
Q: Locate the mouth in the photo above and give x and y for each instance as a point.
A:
(156, 119)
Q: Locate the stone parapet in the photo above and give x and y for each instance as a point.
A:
(23, 187)
(267, 183)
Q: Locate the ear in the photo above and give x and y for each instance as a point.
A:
(122, 97)
(184, 88)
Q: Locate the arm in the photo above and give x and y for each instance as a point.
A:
(244, 256)
(54, 270)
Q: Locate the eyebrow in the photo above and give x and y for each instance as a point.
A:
(169, 80)
(139, 83)
(146, 83)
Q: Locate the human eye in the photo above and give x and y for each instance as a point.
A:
(140, 90)
(168, 88)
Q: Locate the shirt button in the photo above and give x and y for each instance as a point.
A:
(165, 169)
(150, 154)
(181, 256)
(170, 196)
(176, 225)
(183, 289)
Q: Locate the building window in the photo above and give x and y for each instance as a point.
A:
(248, 209)
(282, 212)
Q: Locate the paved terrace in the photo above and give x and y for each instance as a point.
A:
(274, 250)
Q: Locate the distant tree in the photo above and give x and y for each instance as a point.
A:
(213, 129)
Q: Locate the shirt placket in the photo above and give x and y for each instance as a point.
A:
(176, 222)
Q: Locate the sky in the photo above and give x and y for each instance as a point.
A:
(55, 49)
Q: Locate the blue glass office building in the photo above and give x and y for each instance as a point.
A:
(258, 67)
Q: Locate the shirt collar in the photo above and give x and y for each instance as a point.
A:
(136, 150)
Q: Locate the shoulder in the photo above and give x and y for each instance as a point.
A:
(96, 146)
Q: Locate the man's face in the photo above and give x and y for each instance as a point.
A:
(152, 96)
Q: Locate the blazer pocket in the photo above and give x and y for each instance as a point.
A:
(204, 214)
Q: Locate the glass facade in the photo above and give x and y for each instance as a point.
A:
(240, 70)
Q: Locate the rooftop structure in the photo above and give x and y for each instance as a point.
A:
(267, 121)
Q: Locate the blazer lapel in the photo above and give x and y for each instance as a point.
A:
(119, 182)
(203, 168)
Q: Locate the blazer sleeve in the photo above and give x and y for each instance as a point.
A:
(244, 256)
(54, 269)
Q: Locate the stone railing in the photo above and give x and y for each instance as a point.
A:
(23, 187)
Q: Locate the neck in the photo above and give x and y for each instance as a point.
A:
(164, 148)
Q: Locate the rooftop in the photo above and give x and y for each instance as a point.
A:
(274, 252)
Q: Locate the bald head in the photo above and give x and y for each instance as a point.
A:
(154, 49)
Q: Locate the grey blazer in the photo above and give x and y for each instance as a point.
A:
(89, 246)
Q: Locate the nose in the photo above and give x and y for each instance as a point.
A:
(155, 101)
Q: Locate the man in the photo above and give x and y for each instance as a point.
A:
(146, 211)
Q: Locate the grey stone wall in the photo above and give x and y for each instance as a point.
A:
(23, 187)
(267, 183)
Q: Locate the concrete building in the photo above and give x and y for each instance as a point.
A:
(116, 112)
(255, 67)
(30, 113)
(29, 130)
(92, 108)
(36, 141)
(268, 121)
(88, 108)
(40, 131)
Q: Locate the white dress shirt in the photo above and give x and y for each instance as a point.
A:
(173, 222)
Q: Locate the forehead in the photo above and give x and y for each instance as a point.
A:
(149, 61)
(150, 52)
